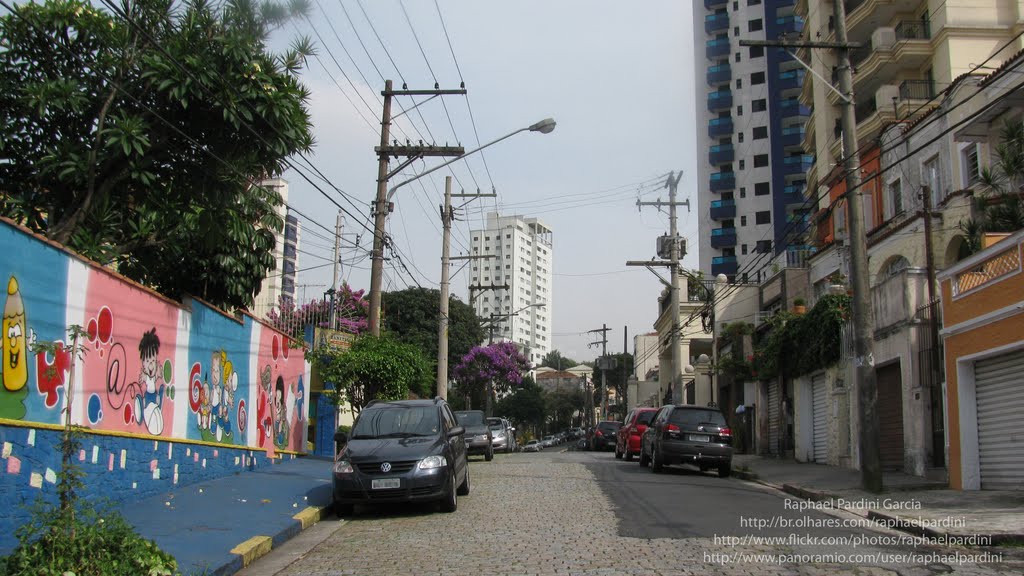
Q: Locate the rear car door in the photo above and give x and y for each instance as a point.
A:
(457, 444)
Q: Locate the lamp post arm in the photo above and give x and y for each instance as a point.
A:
(391, 192)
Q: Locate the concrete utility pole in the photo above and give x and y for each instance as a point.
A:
(337, 267)
(381, 205)
(602, 364)
(676, 253)
(863, 315)
(447, 215)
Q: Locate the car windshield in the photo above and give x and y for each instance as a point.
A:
(693, 417)
(397, 421)
(470, 418)
(645, 418)
(609, 426)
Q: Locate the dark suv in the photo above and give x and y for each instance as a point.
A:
(402, 451)
(686, 434)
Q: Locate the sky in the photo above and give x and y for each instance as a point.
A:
(617, 77)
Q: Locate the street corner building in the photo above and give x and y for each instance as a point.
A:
(169, 393)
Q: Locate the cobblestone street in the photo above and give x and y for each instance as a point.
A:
(548, 513)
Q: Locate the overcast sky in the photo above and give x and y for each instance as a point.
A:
(616, 76)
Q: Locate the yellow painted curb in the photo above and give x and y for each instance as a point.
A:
(310, 516)
(253, 548)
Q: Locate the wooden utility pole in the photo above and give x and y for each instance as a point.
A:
(602, 364)
(337, 269)
(381, 205)
(863, 316)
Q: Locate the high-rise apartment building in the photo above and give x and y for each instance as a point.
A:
(522, 260)
(280, 281)
(750, 122)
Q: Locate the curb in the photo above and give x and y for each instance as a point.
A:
(256, 547)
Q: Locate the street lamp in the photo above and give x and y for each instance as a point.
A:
(377, 265)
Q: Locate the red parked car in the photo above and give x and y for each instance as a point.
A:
(627, 439)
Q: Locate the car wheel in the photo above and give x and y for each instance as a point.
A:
(450, 502)
(465, 486)
(724, 470)
(628, 456)
(617, 453)
(656, 465)
(644, 460)
(344, 509)
(490, 455)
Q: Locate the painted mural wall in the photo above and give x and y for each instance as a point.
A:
(154, 369)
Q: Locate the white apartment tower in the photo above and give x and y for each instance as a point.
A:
(280, 281)
(522, 260)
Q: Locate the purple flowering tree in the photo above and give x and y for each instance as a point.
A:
(486, 370)
(352, 314)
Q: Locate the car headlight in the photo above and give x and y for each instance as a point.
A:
(343, 467)
(431, 462)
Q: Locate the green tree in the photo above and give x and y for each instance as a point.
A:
(562, 406)
(616, 377)
(525, 407)
(554, 359)
(411, 315)
(1001, 207)
(376, 367)
(490, 370)
(138, 138)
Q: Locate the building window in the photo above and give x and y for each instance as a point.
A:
(762, 189)
(736, 31)
(743, 192)
(738, 57)
(739, 83)
(755, 79)
(743, 249)
(969, 161)
(895, 198)
(753, 2)
(755, 25)
(743, 222)
(760, 132)
(760, 160)
(763, 247)
(757, 52)
(740, 137)
(759, 105)
(933, 179)
(739, 109)
(743, 164)
(764, 217)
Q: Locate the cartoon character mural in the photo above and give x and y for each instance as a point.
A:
(141, 402)
(213, 400)
(15, 354)
(149, 397)
(280, 415)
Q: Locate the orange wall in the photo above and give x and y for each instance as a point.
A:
(999, 294)
(870, 164)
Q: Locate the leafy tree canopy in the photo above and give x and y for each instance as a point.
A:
(376, 367)
(525, 407)
(411, 315)
(554, 359)
(562, 406)
(616, 379)
(138, 138)
(501, 363)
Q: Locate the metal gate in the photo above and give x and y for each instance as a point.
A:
(819, 408)
(999, 387)
(774, 425)
(890, 416)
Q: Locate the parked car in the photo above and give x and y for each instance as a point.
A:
(478, 433)
(687, 434)
(533, 446)
(549, 442)
(502, 436)
(402, 451)
(603, 437)
(627, 439)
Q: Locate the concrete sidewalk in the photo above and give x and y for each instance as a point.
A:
(909, 503)
(218, 526)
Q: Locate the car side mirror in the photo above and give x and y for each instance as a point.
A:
(457, 431)
(340, 437)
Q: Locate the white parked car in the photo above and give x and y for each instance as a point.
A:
(533, 446)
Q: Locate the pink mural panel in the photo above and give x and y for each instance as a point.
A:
(281, 396)
(129, 369)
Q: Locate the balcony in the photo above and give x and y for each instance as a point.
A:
(723, 209)
(794, 193)
(719, 127)
(727, 265)
(723, 237)
(721, 154)
(896, 299)
(714, 23)
(717, 49)
(790, 24)
(791, 80)
(794, 165)
(792, 108)
(713, 4)
(723, 181)
(793, 137)
(719, 101)
(719, 74)
(917, 90)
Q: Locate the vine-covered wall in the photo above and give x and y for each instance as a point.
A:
(798, 344)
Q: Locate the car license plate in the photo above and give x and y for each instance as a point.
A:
(382, 483)
(698, 438)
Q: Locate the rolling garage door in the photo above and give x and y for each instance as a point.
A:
(999, 385)
(890, 416)
(820, 412)
(773, 418)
